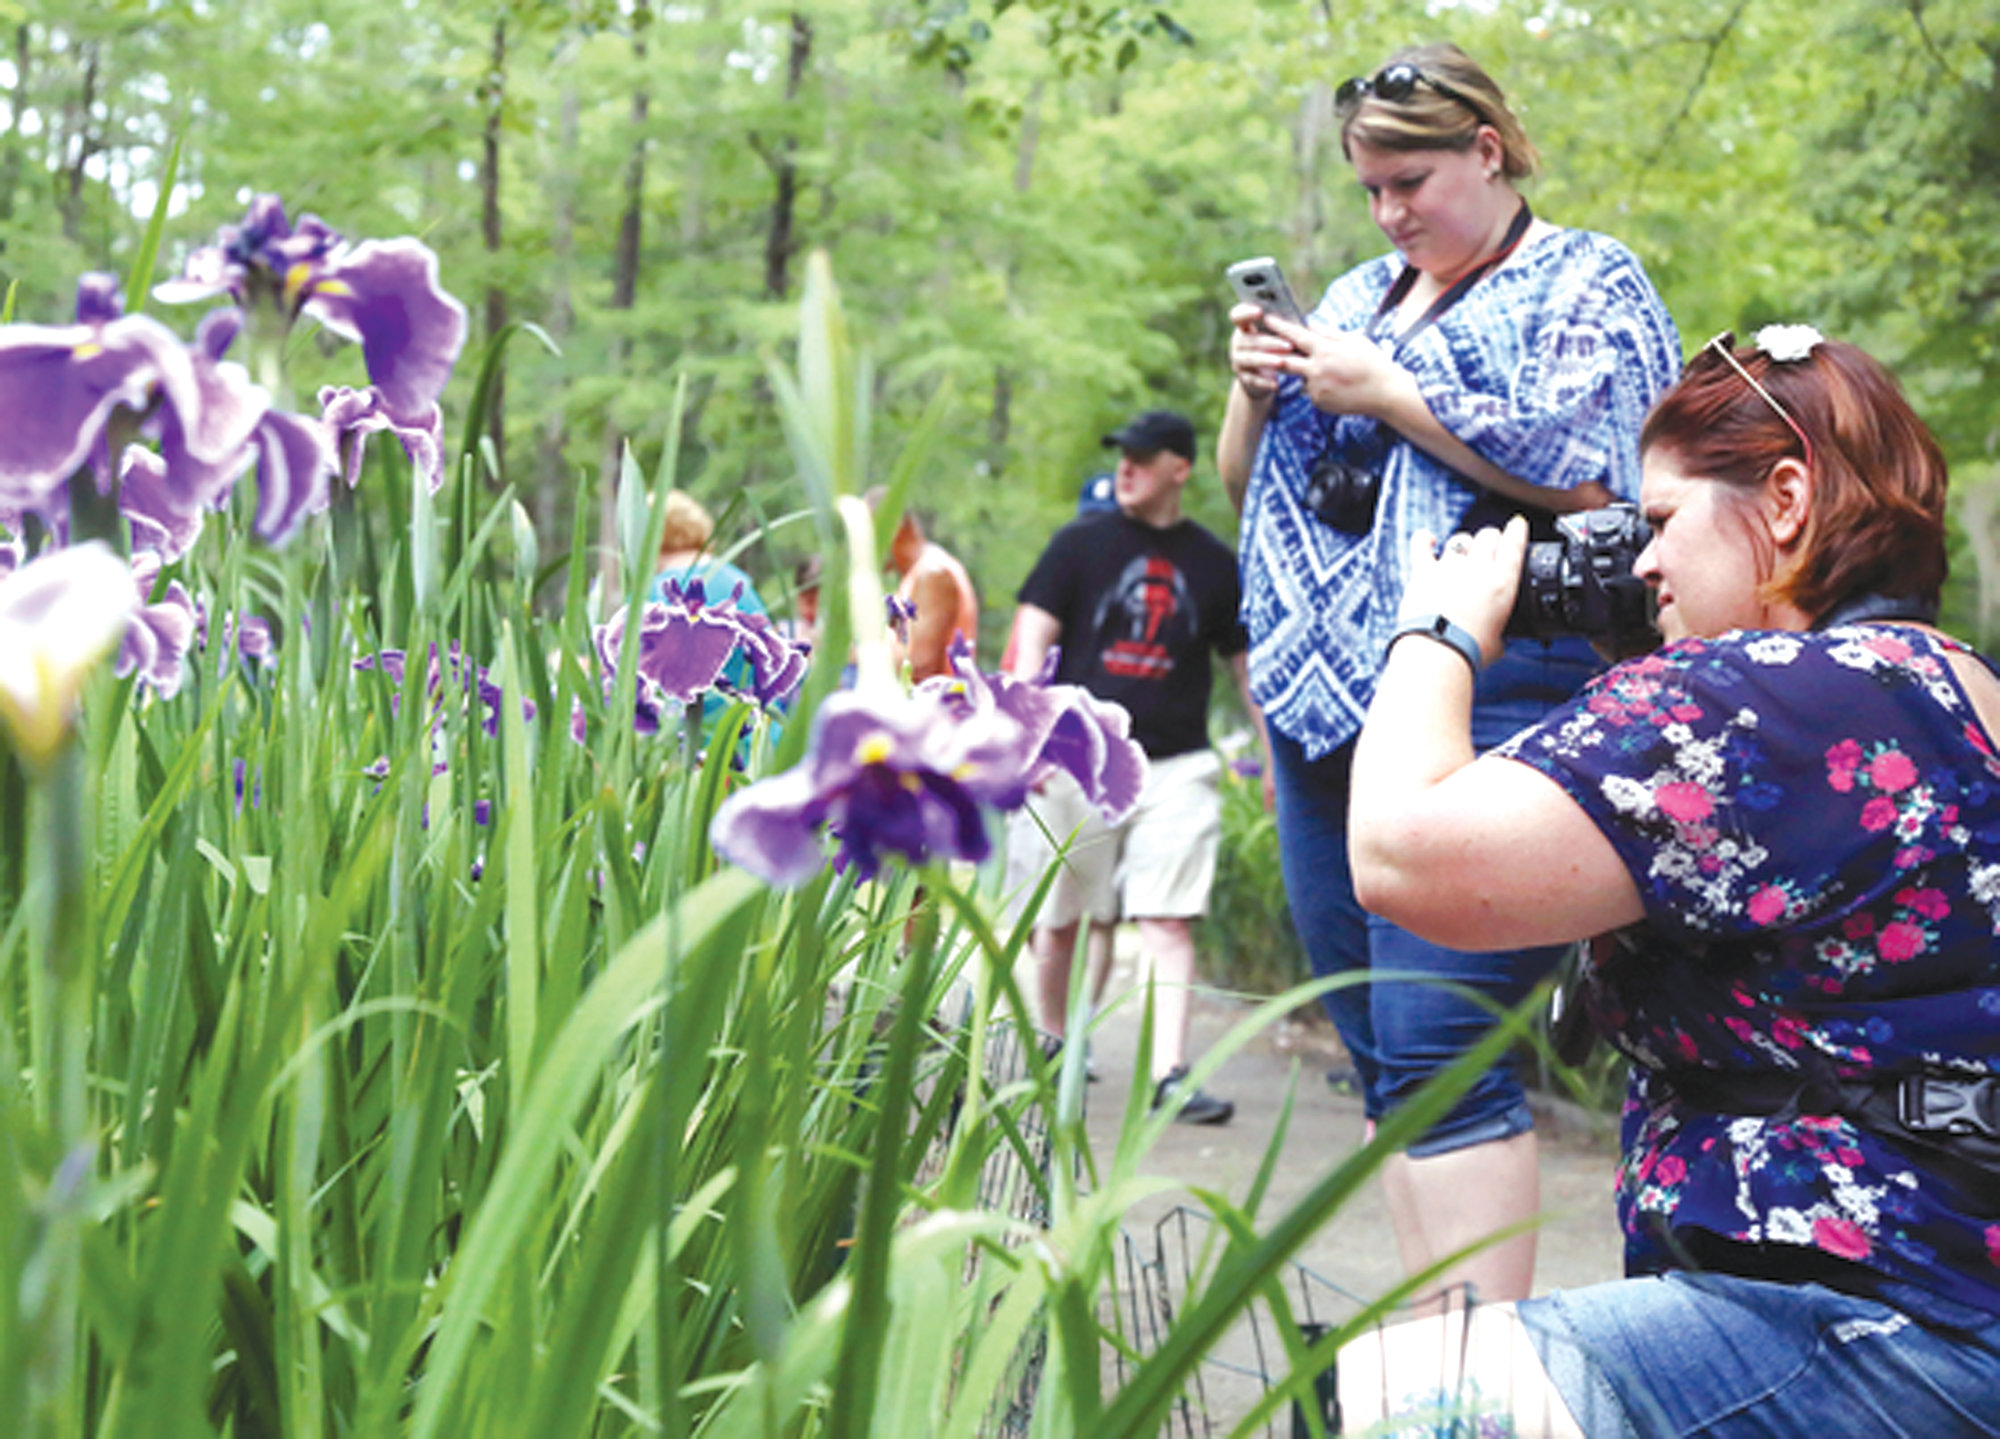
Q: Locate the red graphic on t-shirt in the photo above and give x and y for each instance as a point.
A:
(1149, 595)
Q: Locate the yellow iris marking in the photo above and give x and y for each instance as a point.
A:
(875, 749)
(88, 350)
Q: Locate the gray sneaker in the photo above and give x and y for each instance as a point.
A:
(1191, 1106)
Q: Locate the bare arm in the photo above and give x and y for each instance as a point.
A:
(1035, 630)
(1253, 357)
(935, 595)
(1346, 373)
(1470, 853)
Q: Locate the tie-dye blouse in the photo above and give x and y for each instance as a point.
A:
(1813, 823)
(1545, 368)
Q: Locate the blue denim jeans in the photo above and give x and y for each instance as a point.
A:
(1713, 1354)
(1400, 1034)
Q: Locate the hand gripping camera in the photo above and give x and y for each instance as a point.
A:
(1581, 583)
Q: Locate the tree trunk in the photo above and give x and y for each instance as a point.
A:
(779, 241)
(1309, 146)
(85, 146)
(1000, 422)
(548, 505)
(624, 291)
(495, 96)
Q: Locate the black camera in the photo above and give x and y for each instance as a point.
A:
(1581, 582)
(1343, 495)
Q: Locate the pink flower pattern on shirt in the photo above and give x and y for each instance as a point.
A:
(1813, 821)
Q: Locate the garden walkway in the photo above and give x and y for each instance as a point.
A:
(1355, 1251)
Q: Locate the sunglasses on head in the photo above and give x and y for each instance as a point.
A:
(1396, 83)
(1724, 346)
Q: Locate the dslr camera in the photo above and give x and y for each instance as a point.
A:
(1581, 582)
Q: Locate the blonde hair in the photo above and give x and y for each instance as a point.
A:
(688, 525)
(1429, 119)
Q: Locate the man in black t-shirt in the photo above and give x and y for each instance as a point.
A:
(1138, 598)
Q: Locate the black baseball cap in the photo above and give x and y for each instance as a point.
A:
(1154, 431)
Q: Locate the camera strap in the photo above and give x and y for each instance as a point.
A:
(1863, 608)
(1947, 1123)
(1399, 291)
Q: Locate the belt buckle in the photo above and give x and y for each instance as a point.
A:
(1927, 1104)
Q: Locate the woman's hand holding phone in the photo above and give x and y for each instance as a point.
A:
(1345, 372)
(1256, 354)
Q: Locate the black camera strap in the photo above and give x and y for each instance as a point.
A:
(1399, 291)
(1947, 1123)
(1863, 608)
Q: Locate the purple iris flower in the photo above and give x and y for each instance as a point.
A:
(159, 524)
(205, 449)
(294, 462)
(385, 294)
(778, 665)
(382, 293)
(60, 384)
(886, 774)
(461, 675)
(253, 640)
(1067, 727)
(246, 637)
(156, 643)
(682, 646)
(242, 770)
(351, 416)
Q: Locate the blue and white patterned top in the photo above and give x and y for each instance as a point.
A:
(1546, 367)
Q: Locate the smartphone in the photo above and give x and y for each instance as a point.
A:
(1261, 282)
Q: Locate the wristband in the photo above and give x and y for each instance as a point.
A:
(1437, 627)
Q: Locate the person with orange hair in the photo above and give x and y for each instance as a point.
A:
(1786, 826)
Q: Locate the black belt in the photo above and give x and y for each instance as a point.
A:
(1947, 1124)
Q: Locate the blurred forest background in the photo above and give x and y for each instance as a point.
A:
(1029, 203)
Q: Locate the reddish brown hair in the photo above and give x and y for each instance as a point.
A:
(1876, 524)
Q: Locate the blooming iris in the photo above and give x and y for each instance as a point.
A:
(688, 646)
(887, 773)
(382, 293)
(350, 416)
(157, 640)
(59, 615)
(393, 663)
(61, 384)
(1067, 727)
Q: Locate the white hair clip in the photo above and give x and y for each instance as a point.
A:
(1787, 343)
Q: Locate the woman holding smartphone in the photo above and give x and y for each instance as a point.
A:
(1493, 364)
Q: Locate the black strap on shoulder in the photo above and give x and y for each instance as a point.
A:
(1399, 291)
(1863, 608)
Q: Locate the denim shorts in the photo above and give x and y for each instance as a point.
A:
(1713, 1354)
(1399, 1034)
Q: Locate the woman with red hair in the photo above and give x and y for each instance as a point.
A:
(1786, 826)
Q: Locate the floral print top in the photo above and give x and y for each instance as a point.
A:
(1813, 823)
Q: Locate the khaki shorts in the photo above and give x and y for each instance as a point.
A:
(1158, 863)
